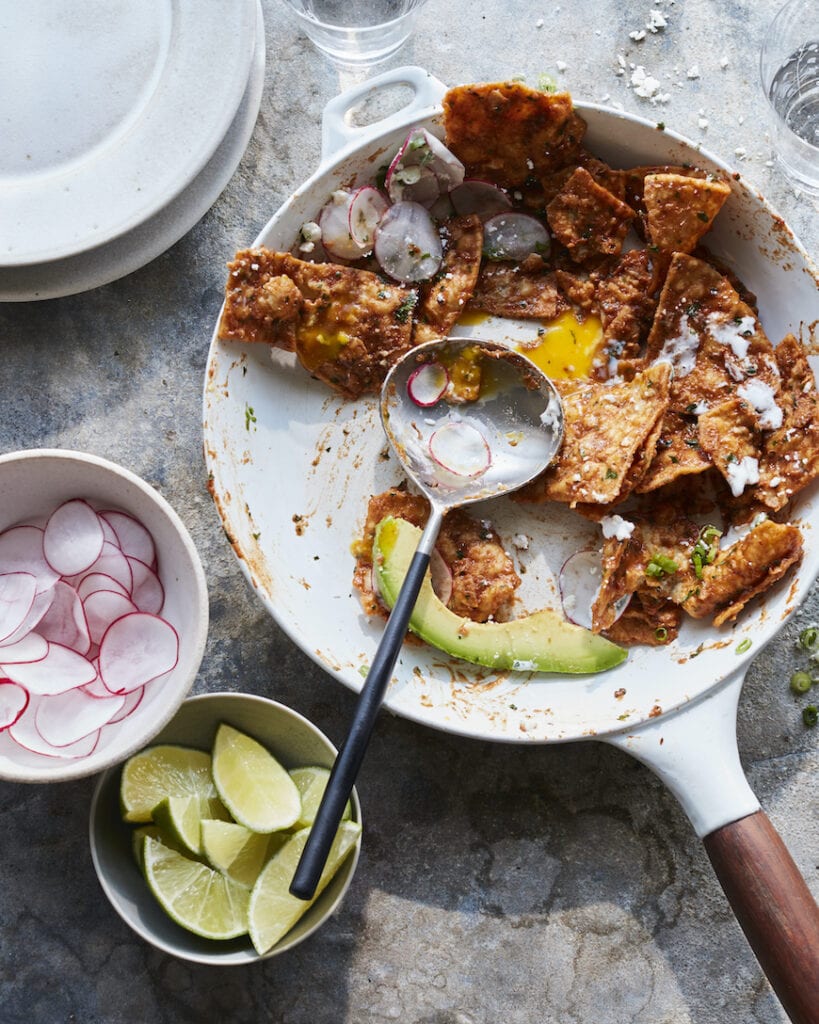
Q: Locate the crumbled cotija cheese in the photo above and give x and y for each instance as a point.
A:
(742, 474)
(761, 396)
(681, 351)
(616, 526)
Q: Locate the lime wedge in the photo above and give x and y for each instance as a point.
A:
(235, 850)
(159, 772)
(138, 841)
(252, 784)
(179, 819)
(311, 783)
(273, 911)
(198, 898)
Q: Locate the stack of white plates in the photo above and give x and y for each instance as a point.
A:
(121, 123)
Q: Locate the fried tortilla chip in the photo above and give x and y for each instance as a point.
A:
(729, 435)
(710, 337)
(588, 219)
(444, 299)
(680, 209)
(527, 290)
(262, 301)
(627, 299)
(505, 132)
(744, 570)
(347, 326)
(634, 179)
(484, 580)
(677, 453)
(606, 429)
(790, 453)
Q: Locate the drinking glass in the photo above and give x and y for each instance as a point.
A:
(356, 33)
(789, 66)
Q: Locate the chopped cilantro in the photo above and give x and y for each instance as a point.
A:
(250, 416)
(402, 314)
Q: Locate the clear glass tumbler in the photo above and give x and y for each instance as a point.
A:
(789, 65)
(357, 33)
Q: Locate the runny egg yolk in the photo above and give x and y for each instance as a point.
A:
(565, 346)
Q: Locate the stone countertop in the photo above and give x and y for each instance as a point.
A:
(545, 883)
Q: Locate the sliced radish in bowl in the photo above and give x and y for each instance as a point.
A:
(427, 385)
(514, 236)
(66, 718)
(136, 649)
(479, 197)
(64, 622)
(407, 245)
(13, 701)
(131, 537)
(61, 669)
(367, 207)
(460, 449)
(73, 538)
(21, 550)
(17, 592)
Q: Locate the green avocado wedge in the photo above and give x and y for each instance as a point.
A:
(540, 642)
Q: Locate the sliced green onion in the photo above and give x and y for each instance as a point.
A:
(809, 638)
(661, 634)
(810, 715)
(801, 682)
(660, 565)
(744, 645)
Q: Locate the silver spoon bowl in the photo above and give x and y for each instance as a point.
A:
(516, 422)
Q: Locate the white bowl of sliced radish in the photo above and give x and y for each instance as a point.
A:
(103, 614)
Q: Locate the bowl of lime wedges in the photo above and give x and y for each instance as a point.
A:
(195, 839)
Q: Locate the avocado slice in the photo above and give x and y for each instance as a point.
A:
(540, 642)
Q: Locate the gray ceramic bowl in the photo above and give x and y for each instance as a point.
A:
(294, 741)
(32, 484)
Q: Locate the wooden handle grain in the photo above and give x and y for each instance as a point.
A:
(774, 907)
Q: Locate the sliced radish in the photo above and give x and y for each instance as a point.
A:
(480, 197)
(579, 583)
(132, 538)
(39, 607)
(440, 576)
(422, 169)
(25, 733)
(136, 649)
(130, 702)
(64, 622)
(148, 594)
(461, 449)
(407, 244)
(427, 385)
(97, 689)
(72, 539)
(17, 590)
(334, 221)
(367, 207)
(13, 702)
(32, 647)
(111, 562)
(21, 550)
(108, 531)
(102, 608)
(66, 718)
(60, 670)
(514, 236)
(95, 581)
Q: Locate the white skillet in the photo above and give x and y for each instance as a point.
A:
(292, 468)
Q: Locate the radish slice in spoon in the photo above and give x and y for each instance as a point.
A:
(480, 197)
(366, 209)
(17, 590)
(428, 384)
(514, 236)
(461, 449)
(407, 245)
(13, 701)
(579, 583)
(440, 576)
(136, 649)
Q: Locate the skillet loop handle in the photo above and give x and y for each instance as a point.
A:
(336, 131)
(774, 907)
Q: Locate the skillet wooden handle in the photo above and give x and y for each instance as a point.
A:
(774, 907)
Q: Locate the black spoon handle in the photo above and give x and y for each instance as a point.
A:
(343, 776)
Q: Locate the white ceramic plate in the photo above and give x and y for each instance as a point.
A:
(141, 244)
(110, 109)
(292, 469)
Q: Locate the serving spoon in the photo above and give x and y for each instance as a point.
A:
(457, 453)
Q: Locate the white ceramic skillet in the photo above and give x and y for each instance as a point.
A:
(292, 468)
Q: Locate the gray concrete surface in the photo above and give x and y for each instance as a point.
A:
(558, 884)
